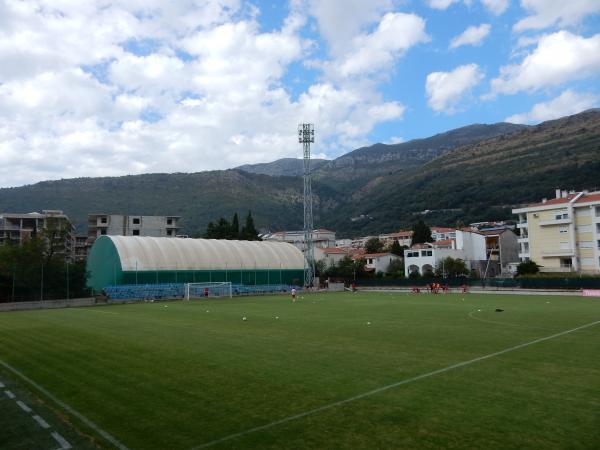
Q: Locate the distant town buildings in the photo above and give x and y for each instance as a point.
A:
(470, 246)
(562, 234)
(131, 225)
(321, 238)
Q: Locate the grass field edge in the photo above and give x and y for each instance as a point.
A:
(66, 407)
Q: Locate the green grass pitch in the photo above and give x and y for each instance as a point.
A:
(180, 375)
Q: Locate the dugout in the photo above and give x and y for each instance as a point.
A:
(116, 260)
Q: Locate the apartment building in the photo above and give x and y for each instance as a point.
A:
(562, 234)
(131, 225)
(18, 228)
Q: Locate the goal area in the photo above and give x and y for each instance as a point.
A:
(208, 290)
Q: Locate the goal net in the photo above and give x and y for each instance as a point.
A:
(207, 290)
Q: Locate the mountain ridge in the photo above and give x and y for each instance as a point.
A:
(392, 189)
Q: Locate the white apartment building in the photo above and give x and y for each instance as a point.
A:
(562, 234)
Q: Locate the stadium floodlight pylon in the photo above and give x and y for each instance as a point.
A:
(207, 290)
(306, 136)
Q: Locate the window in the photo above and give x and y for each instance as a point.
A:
(136, 232)
(597, 211)
(169, 232)
(563, 229)
(103, 220)
(561, 216)
(566, 263)
(427, 253)
(412, 254)
(169, 221)
(136, 221)
(369, 260)
(103, 231)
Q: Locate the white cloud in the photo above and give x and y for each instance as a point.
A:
(471, 36)
(566, 104)
(340, 21)
(207, 91)
(558, 58)
(446, 89)
(440, 4)
(371, 52)
(546, 13)
(496, 6)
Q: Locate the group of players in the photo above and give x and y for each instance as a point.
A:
(436, 288)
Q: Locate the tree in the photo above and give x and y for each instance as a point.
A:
(421, 233)
(235, 227)
(528, 268)
(451, 268)
(395, 268)
(396, 249)
(374, 245)
(249, 232)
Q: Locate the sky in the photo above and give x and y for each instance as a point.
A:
(106, 88)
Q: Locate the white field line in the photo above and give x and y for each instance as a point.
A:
(9, 394)
(504, 323)
(66, 407)
(23, 406)
(41, 422)
(390, 386)
(64, 445)
(96, 311)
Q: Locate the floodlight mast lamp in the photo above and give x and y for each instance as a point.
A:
(306, 136)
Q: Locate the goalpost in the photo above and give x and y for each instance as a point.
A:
(207, 290)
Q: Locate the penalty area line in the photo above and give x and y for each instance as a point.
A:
(66, 407)
(390, 386)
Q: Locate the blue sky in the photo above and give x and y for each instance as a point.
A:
(115, 88)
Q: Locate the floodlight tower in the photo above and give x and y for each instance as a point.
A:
(306, 136)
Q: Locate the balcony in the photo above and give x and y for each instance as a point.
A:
(523, 240)
(523, 255)
(546, 223)
(558, 253)
(522, 225)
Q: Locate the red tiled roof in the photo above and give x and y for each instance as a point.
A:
(425, 245)
(594, 197)
(442, 230)
(334, 250)
(444, 242)
(375, 255)
(554, 201)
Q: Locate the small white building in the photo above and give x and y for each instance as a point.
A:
(425, 258)
(378, 262)
(331, 255)
(442, 233)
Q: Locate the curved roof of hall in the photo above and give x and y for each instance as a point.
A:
(158, 253)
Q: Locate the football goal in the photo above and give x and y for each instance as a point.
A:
(207, 290)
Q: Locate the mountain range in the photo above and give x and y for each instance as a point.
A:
(473, 173)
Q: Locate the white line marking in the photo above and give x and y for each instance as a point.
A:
(42, 423)
(504, 323)
(390, 386)
(96, 311)
(23, 406)
(9, 394)
(64, 445)
(66, 407)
